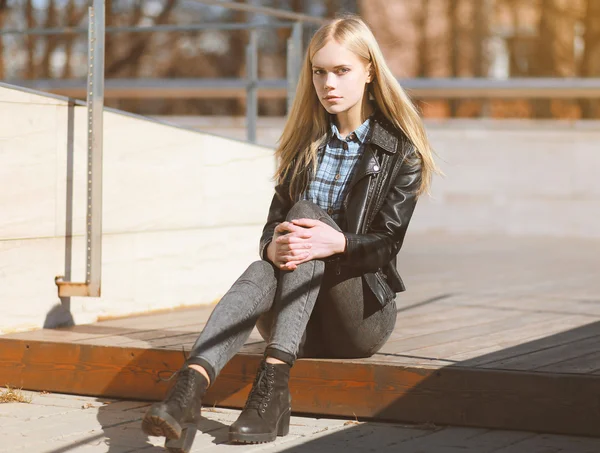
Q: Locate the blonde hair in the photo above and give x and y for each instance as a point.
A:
(308, 122)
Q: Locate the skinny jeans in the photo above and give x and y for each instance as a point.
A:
(314, 311)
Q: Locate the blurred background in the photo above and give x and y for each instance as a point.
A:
(497, 39)
(198, 91)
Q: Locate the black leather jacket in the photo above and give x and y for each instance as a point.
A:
(379, 206)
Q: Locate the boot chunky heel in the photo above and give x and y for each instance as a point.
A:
(283, 427)
(266, 414)
(184, 443)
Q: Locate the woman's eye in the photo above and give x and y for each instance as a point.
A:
(343, 70)
(318, 71)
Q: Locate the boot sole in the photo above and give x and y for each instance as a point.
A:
(160, 423)
(282, 429)
(184, 443)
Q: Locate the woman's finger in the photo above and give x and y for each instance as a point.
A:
(306, 223)
(292, 257)
(299, 260)
(293, 238)
(287, 227)
(298, 245)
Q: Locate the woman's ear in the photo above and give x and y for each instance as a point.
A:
(370, 73)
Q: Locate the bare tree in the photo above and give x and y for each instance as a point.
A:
(73, 18)
(554, 50)
(590, 62)
(52, 41)
(3, 14)
(454, 47)
(423, 45)
(31, 40)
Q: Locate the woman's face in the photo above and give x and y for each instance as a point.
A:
(339, 77)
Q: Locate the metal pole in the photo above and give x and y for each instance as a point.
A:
(294, 62)
(94, 108)
(95, 142)
(251, 88)
(267, 11)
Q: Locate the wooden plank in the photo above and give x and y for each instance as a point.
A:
(547, 304)
(434, 344)
(584, 364)
(124, 327)
(143, 338)
(470, 349)
(498, 347)
(557, 403)
(166, 332)
(172, 318)
(545, 357)
(442, 326)
(60, 334)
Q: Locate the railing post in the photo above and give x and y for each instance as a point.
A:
(294, 62)
(94, 110)
(251, 88)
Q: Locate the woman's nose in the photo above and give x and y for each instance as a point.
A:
(330, 81)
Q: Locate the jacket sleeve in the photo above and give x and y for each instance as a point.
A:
(371, 251)
(280, 206)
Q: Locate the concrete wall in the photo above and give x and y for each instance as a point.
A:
(520, 177)
(183, 211)
(178, 226)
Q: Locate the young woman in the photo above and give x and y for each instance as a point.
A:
(352, 160)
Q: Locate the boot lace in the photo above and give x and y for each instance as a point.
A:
(262, 389)
(183, 391)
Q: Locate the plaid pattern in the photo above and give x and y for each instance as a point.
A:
(335, 165)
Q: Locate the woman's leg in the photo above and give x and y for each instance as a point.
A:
(289, 296)
(351, 321)
(268, 408)
(227, 329)
(234, 317)
(298, 292)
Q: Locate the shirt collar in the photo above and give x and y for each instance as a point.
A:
(360, 132)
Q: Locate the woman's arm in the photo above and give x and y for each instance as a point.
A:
(371, 251)
(280, 206)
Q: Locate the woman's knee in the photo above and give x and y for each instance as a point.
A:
(258, 271)
(304, 209)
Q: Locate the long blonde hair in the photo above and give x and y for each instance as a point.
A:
(308, 121)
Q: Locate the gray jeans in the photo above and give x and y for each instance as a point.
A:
(309, 312)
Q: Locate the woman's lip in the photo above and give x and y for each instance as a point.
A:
(332, 98)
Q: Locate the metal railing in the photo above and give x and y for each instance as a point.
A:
(95, 110)
(96, 89)
(95, 95)
(439, 88)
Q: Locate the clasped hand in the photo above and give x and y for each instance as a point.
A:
(302, 240)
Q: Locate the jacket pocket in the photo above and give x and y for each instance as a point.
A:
(384, 284)
(379, 287)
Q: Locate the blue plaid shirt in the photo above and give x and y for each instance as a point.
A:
(335, 166)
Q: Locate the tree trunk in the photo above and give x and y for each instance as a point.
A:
(590, 63)
(554, 52)
(141, 41)
(423, 46)
(74, 17)
(544, 63)
(453, 27)
(31, 41)
(3, 13)
(51, 42)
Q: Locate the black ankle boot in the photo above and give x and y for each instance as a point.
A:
(266, 414)
(176, 417)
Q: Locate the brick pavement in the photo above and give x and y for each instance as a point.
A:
(54, 423)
